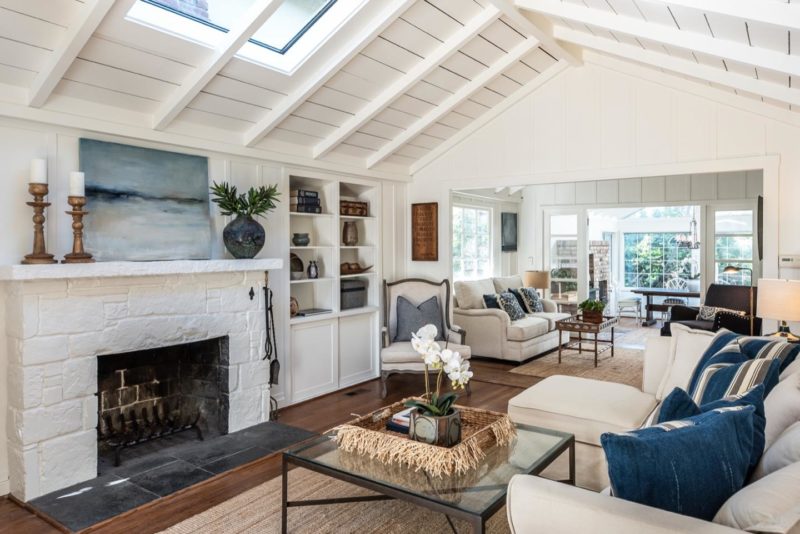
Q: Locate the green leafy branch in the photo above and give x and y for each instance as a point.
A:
(438, 406)
(257, 201)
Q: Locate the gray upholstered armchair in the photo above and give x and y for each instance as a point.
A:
(399, 356)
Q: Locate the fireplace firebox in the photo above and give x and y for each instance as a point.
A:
(149, 394)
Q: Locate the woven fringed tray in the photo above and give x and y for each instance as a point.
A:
(480, 430)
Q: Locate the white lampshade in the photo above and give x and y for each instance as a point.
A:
(779, 299)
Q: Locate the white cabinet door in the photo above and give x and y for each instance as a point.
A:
(358, 345)
(315, 359)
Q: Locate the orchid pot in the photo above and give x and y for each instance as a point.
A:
(435, 420)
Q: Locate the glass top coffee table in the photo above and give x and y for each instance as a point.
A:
(474, 496)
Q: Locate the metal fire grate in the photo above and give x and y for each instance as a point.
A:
(128, 429)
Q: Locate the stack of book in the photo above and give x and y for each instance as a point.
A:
(400, 421)
(304, 201)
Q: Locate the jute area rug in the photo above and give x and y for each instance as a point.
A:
(625, 367)
(259, 511)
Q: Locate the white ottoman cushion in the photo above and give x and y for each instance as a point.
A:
(581, 406)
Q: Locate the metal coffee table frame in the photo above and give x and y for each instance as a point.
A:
(578, 325)
(387, 492)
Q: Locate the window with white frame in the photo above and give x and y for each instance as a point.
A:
(472, 243)
(733, 246)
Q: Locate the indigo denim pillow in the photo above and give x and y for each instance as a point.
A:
(721, 339)
(509, 304)
(725, 379)
(689, 467)
(490, 300)
(758, 347)
(679, 405)
(411, 318)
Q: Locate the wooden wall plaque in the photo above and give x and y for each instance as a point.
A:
(425, 231)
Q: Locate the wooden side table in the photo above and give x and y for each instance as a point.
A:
(577, 324)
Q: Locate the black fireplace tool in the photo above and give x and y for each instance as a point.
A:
(271, 350)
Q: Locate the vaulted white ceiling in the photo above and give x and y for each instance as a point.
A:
(395, 85)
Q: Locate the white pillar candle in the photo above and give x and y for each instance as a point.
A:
(77, 187)
(38, 171)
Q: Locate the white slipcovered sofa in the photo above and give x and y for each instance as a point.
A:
(587, 408)
(491, 333)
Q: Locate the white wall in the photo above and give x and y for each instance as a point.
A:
(610, 119)
(21, 141)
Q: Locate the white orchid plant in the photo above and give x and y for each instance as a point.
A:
(446, 362)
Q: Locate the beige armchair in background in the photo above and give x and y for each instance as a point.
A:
(399, 356)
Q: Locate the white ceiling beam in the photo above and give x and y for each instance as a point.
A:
(751, 55)
(287, 106)
(778, 13)
(61, 59)
(515, 189)
(452, 101)
(498, 190)
(232, 42)
(681, 66)
(408, 80)
(548, 74)
(540, 30)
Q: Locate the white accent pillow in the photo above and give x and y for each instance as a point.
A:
(507, 282)
(687, 347)
(782, 408)
(469, 294)
(766, 505)
(785, 451)
(793, 368)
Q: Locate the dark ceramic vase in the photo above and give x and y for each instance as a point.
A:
(243, 237)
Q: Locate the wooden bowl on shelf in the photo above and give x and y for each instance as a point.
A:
(353, 268)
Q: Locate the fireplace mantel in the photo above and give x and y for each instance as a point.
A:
(115, 269)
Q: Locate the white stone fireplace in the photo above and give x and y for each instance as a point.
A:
(59, 319)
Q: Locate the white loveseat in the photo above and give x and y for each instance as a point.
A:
(491, 333)
(587, 408)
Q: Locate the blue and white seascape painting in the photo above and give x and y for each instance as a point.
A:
(145, 204)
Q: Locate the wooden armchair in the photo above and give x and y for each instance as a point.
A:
(399, 356)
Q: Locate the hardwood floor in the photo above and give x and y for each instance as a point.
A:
(318, 415)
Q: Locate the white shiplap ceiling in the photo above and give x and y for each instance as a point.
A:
(394, 85)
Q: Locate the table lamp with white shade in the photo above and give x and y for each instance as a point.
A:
(780, 300)
(536, 280)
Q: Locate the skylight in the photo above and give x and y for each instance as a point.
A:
(283, 29)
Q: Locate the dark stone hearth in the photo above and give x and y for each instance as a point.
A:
(158, 468)
(171, 477)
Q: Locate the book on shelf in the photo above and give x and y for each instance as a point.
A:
(312, 311)
(304, 201)
(304, 193)
(306, 209)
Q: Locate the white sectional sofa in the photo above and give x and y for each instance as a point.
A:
(491, 333)
(587, 408)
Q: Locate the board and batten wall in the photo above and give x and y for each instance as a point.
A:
(611, 119)
(22, 141)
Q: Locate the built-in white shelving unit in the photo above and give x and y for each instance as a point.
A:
(340, 347)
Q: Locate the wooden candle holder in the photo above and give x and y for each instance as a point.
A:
(78, 255)
(39, 254)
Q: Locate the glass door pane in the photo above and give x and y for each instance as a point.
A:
(733, 247)
(563, 252)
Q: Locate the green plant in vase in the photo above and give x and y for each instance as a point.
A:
(244, 236)
(592, 310)
(435, 420)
